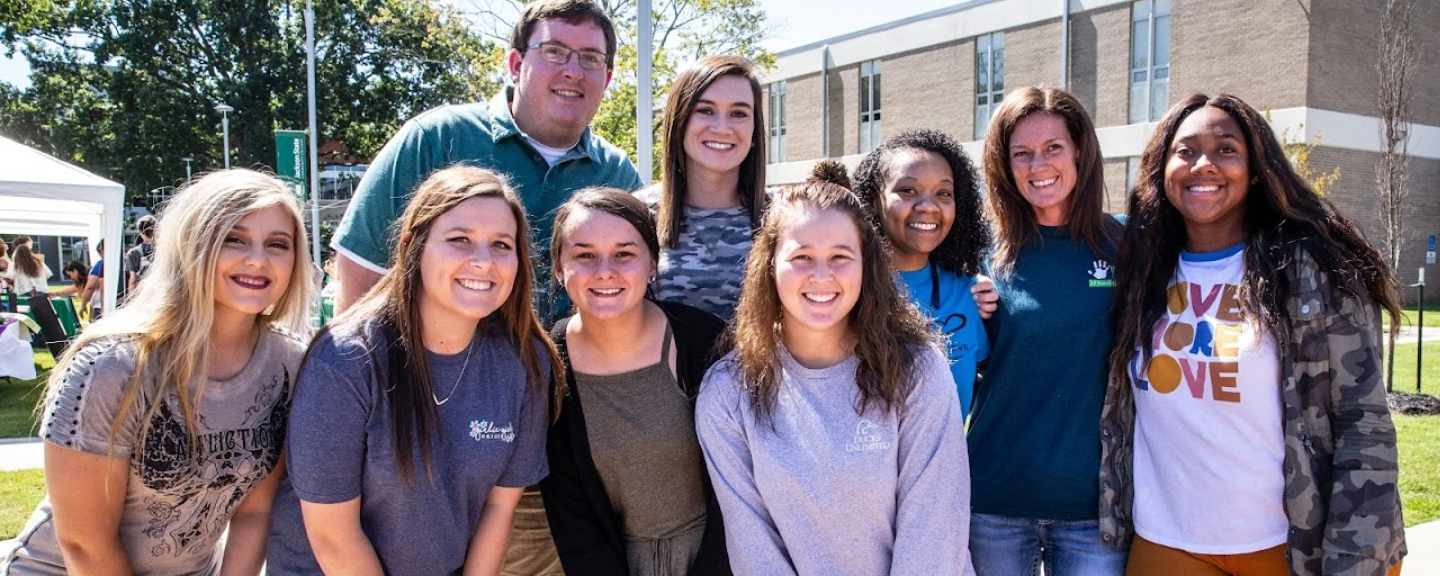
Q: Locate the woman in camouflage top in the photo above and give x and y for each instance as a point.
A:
(1245, 424)
(712, 193)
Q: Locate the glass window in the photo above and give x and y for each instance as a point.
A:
(989, 79)
(777, 122)
(869, 106)
(1149, 60)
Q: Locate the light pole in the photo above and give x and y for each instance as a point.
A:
(225, 111)
(187, 160)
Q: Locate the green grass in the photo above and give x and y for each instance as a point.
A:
(1419, 438)
(19, 397)
(1410, 315)
(20, 492)
(1405, 368)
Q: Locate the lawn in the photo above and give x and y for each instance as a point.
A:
(1410, 315)
(20, 491)
(1419, 467)
(19, 397)
(1405, 367)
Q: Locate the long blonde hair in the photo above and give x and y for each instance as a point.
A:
(172, 309)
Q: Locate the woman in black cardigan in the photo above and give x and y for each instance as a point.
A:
(627, 494)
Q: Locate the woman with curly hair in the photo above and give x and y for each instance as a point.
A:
(1245, 393)
(832, 431)
(164, 423)
(921, 189)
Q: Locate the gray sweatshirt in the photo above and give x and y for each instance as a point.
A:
(829, 491)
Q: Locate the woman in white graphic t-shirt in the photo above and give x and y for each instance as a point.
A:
(1246, 363)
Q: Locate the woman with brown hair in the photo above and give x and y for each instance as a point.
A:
(833, 431)
(420, 413)
(627, 492)
(1034, 429)
(1246, 430)
(712, 191)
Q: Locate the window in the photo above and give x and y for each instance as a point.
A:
(989, 79)
(1149, 60)
(869, 106)
(777, 122)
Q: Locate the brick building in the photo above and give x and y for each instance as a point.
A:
(1309, 62)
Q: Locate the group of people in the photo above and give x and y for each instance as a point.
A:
(538, 369)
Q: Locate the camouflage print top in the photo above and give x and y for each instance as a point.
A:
(707, 264)
(1341, 467)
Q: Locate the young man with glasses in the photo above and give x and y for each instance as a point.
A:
(562, 55)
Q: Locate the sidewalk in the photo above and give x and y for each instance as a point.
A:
(1424, 540)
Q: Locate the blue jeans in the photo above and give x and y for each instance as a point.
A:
(1016, 546)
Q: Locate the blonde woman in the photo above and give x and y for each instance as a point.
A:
(164, 422)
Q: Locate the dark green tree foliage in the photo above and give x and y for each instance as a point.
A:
(126, 88)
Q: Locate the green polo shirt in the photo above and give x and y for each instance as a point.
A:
(480, 134)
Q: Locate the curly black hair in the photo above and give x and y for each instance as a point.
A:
(969, 236)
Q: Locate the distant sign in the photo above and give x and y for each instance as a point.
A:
(290, 157)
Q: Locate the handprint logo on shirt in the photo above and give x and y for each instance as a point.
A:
(1101, 276)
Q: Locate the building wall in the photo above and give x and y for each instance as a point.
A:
(932, 88)
(1344, 48)
(1115, 193)
(1259, 54)
(1032, 56)
(844, 110)
(1100, 63)
(802, 130)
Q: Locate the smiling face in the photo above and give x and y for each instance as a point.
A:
(721, 127)
(468, 264)
(818, 275)
(1042, 159)
(919, 204)
(1207, 177)
(253, 268)
(604, 264)
(554, 103)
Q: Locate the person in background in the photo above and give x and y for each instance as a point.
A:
(832, 431)
(1034, 427)
(92, 295)
(77, 274)
(627, 491)
(921, 188)
(712, 191)
(420, 415)
(163, 424)
(1279, 457)
(32, 284)
(139, 256)
(7, 271)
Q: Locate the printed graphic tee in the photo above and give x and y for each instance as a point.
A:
(177, 502)
(1209, 446)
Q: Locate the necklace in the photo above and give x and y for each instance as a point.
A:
(468, 351)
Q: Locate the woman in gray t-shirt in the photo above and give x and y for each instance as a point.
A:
(420, 413)
(164, 422)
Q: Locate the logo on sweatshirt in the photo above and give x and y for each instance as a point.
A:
(486, 430)
(867, 438)
(1101, 276)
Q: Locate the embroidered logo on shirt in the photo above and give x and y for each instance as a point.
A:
(485, 430)
(1100, 275)
(867, 438)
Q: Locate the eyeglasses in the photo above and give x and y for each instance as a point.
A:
(559, 55)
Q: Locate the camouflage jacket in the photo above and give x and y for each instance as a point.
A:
(1341, 496)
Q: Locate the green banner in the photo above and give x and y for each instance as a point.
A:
(291, 156)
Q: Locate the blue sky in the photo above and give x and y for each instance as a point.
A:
(796, 22)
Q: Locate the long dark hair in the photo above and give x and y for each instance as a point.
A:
(684, 95)
(81, 273)
(1010, 212)
(25, 260)
(1282, 214)
(395, 302)
(969, 235)
(887, 329)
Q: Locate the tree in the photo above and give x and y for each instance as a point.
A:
(684, 30)
(125, 88)
(1395, 69)
(1298, 150)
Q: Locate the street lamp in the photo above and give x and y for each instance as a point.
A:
(187, 160)
(225, 111)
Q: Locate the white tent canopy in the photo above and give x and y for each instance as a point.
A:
(43, 196)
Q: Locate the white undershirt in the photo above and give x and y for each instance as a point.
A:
(551, 155)
(1209, 443)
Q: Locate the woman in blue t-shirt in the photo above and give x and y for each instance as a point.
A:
(921, 190)
(420, 413)
(1034, 427)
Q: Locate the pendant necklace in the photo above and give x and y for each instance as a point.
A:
(468, 351)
